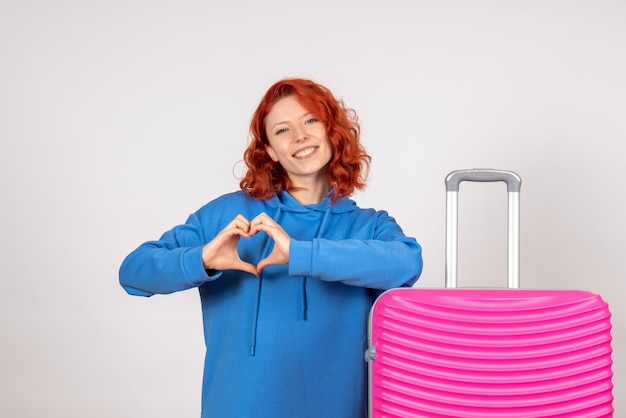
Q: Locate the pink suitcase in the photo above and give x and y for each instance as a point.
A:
(471, 352)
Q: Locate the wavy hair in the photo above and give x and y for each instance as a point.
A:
(349, 164)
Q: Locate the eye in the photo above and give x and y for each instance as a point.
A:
(311, 120)
(280, 131)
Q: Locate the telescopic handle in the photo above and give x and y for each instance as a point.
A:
(513, 182)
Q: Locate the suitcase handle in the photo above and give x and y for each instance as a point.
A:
(512, 180)
(453, 181)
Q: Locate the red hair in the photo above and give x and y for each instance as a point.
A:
(348, 166)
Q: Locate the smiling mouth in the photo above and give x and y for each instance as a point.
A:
(305, 152)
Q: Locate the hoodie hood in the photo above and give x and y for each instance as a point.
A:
(287, 203)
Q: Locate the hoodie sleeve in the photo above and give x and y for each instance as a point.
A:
(170, 264)
(389, 259)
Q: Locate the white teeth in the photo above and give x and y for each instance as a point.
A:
(304, 152)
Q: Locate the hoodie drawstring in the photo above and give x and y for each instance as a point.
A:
(257, 302)
(303, 300)
(303, 297)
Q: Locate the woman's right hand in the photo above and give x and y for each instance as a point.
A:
(221, 252)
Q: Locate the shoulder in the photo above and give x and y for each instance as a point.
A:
(353, 209)
(372, 216)
(368, 218)
(236, 197)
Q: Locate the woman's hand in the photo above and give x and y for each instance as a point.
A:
(280, 252)
(221, 252)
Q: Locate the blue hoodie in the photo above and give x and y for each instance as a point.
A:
(290, 342)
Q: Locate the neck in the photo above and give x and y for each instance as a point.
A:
(311, 193)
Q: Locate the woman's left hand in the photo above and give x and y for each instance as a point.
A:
(280, 252)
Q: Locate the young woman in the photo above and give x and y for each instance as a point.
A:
(287, 267)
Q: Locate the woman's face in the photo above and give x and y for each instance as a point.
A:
(298, 141)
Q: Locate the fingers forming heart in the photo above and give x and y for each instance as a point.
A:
(280, 251)
(221, 252)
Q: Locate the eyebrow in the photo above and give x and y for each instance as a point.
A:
(286, 121)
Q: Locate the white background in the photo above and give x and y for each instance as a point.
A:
(119, 118)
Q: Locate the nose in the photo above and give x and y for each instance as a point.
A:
(300, 134)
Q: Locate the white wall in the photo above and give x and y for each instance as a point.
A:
(119, 118)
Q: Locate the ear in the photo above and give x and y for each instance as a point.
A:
(271, 153)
